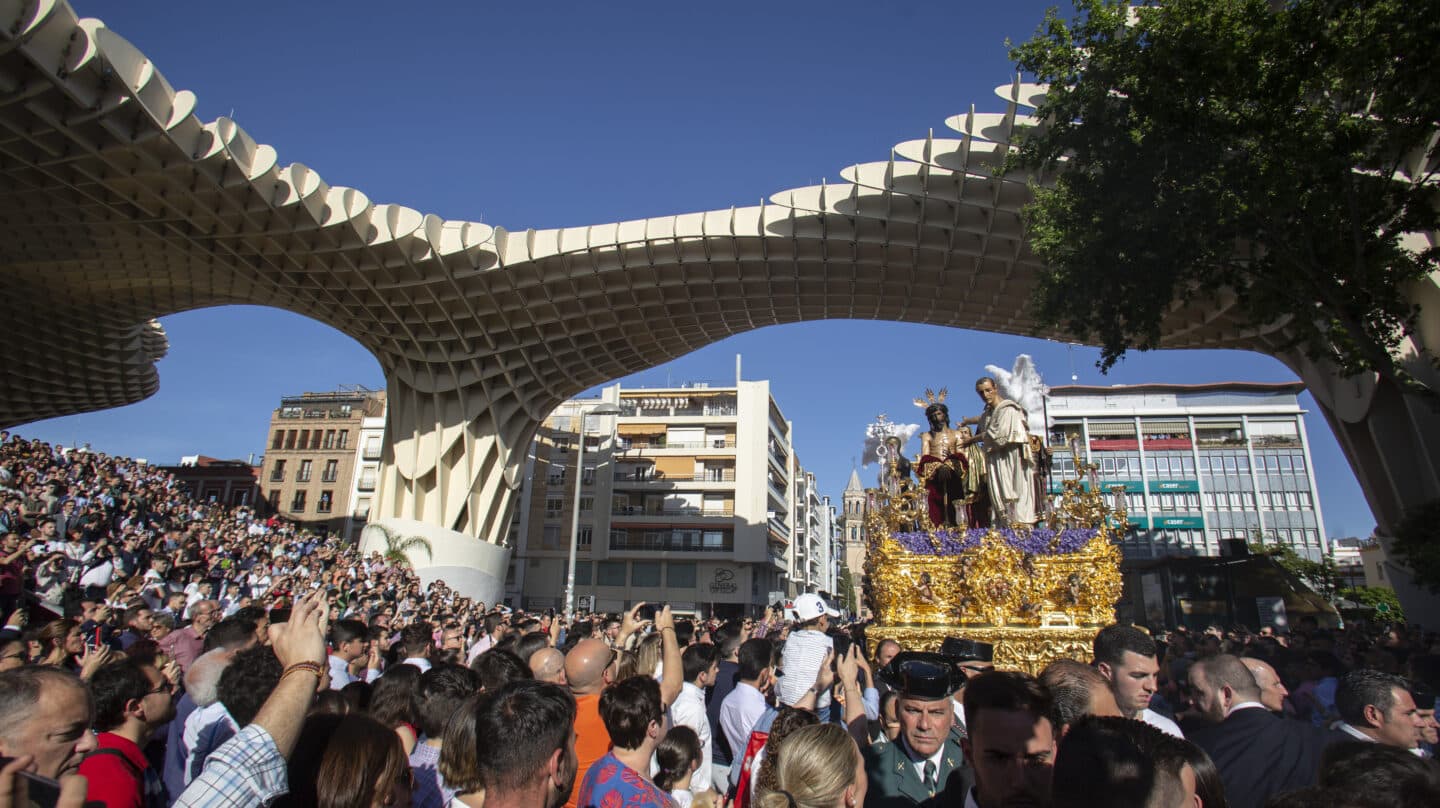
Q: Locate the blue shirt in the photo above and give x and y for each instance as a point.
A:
(611, 784)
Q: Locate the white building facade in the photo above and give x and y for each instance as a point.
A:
(1198, 464)
(690, 496)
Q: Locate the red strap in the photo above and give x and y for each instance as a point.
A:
(742, 791)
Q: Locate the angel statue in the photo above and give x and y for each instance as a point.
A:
(1004, 429)
(942, 464)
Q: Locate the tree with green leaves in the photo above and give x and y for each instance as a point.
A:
(1417, 544)
(1277, 155)
(845, 582)
(1374, 597)
(1323, 576)
(398, 548)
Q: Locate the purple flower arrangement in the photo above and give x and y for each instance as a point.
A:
(1037, 541)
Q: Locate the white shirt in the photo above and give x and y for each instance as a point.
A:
(420, 662)
(920, 764)
(340, 673)
(1161, 723)
(738, 714)
(197, 721)
(689, 710)
(804, 654)
(1245, 705)
(481, 646)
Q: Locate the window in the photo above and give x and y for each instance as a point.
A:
(372, 447)
(645, 573)
(303, 474)
(554, 506)
(367, 479)
(550, 538)
(583, 571)
(304, 442)
(587, 535)
(289, 439)
(362, 508)
(278, 473)
(274, 500)
(298, 503)
(556, 476)
(611, 573)
(680, 575)
(279, 439)
(342, 439)
(587, 476)
(332, 471)
(587, 504)
(315, 439)
(326, 502)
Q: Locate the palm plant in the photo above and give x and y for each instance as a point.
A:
(397, 547)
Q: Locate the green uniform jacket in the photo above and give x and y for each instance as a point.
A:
(894, 783)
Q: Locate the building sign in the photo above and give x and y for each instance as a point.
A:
(1179, 522)
(724, 582)
(1170, 486)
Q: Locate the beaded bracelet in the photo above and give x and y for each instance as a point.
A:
(312, 667)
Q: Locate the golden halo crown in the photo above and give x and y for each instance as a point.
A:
(931, 398)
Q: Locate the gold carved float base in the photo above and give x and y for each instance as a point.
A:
(1016, 648)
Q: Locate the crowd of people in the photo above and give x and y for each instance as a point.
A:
(160, 651)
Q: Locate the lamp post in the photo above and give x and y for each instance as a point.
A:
(599, 409)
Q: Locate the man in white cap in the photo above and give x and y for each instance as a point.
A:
(805, 649)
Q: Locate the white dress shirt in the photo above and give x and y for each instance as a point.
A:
(738, 714)
(689, 710)
(1161, 723)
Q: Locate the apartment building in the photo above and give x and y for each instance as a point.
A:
(308, 473)
(690, 496)
(1198, 464)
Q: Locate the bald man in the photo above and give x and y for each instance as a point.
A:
(1272, 690)
(590, 667)
(548, 665)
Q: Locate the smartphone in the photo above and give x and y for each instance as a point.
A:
(646, 612)
(40, 792)
(279, 615)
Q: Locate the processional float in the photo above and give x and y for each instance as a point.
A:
(1036, 592)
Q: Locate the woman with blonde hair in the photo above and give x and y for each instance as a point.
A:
(816, 767)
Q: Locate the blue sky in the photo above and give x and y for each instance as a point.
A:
(548, 115)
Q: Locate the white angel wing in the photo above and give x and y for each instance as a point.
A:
(1003, 379)
(1029, 391)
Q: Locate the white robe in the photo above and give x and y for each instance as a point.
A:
(1008, 463)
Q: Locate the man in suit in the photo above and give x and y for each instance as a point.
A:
(1012, 741)
(926, 764)
(1258, 753)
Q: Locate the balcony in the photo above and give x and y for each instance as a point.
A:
(329, 477)
(637, 510)
(673, 543)
(302, 476)
(643, 443)
(779, 560)
(367, 482)
(780, 529)
(278, 475)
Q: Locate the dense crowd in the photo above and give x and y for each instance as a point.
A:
(162, 651)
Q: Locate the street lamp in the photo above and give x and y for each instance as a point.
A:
(599, 409)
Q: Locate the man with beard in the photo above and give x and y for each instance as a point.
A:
(1011, 743)
(926, 764)
(536, 764)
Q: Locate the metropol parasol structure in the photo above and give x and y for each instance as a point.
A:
(118, 206)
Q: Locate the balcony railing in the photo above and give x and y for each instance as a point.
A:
(727, 476)
(329, 476)
(672, 544)
(367, 482)
(278, 475)
(641, 443)
(637, 510)
(302, 476)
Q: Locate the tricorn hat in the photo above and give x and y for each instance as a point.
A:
(963, 650)
(922, 675)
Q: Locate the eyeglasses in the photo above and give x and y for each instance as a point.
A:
(164, 687)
